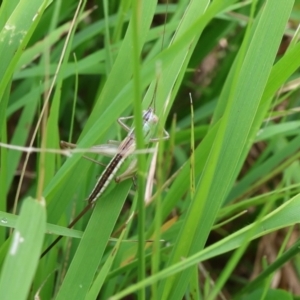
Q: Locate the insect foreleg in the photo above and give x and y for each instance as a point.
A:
(164, 137)
(123, 125)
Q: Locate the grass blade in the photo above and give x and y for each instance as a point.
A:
(24, 252)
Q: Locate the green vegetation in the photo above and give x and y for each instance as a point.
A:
(69, 70)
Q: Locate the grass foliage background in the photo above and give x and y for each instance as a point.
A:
(70, 69)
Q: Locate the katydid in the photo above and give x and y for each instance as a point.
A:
(126, 148)
(120, 153)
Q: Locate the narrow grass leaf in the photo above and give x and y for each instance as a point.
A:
(277, 129)
(86, 261)
(285, 215)
(101, 277)
(221, 167)
(16, 33)
(24, 253)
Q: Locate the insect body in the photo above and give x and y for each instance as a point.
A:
(126, 148)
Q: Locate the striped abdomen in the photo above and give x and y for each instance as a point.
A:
(106, 177)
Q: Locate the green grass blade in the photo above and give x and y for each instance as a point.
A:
(285, 215)
(221, 167)
(24, 252)
(10, 221)
(99, 280)
(246, 143)
(16, 33)
(85, 263)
